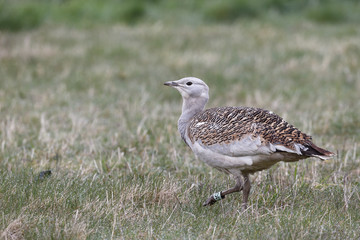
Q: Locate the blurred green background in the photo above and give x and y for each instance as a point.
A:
(27, 14)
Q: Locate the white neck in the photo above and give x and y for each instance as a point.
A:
(190, 107)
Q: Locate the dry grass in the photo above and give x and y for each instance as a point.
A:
(89, 105)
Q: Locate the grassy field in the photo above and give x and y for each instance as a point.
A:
(17, 15)
(89, 104)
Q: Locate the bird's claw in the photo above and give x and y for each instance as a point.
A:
(210, 201)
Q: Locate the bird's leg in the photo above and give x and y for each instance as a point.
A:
(221, 195)
(246, 191)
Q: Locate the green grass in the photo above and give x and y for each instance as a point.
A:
(17, 15)
(89, 104)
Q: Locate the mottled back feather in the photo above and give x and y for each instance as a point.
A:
(228, 124)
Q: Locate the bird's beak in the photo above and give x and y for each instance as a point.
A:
(171, 84)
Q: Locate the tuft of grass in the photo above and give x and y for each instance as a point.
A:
(101, 11)
(20, 17)
(328, 14)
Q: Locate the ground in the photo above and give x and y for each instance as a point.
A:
(89, 104)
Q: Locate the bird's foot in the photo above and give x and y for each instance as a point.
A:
(213, 199)
(210, 201)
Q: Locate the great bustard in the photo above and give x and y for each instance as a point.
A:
(238, 140)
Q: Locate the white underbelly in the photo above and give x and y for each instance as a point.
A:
(242, 163)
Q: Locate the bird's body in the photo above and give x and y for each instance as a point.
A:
(247, 139)
(238, 140)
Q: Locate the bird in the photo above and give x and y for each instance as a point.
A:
(238, 140)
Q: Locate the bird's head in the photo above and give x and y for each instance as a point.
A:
(190, 87)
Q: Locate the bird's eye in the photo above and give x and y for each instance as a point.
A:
(189, 83)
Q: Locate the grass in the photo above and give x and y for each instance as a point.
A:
(89, 104)
(17, 15)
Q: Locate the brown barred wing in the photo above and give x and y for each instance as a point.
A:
(225, 125)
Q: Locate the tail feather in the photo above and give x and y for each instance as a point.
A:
(315, 151)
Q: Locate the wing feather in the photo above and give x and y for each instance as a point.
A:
(241, 131)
